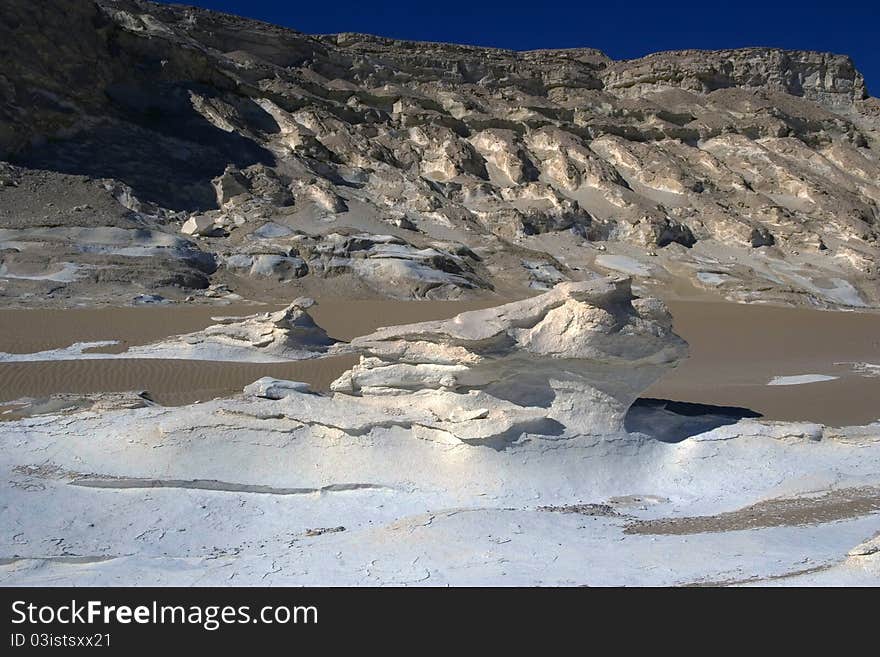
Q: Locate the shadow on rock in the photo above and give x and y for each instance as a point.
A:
(673, 421)
(157, 144)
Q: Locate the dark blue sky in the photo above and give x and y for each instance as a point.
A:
(621, 29)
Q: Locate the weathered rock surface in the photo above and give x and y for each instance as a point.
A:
(830, 80)
(749, 174)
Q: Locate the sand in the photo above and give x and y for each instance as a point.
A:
(170, 382)
(781, 512)
(175, 382)
(27, 331)
(32, 330)
(736, 350)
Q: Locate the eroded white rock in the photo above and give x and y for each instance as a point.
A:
(473, 456)
(199, 225)
(288, 334)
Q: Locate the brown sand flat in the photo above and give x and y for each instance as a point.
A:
(25, 331)
(850, 400)
(30, 330)
(170, 382)
(736, 349)
(781, 512)
(175, 382)
(775, 334)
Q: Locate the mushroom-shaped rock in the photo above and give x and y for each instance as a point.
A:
(582, 352)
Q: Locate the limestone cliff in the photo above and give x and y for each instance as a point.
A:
(748, 173)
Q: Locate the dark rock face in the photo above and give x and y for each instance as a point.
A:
(828, 79)
(762, 237)
(88, 97)
(193, 113)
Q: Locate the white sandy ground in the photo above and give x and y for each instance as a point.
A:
(211, 494)
(800, 379)
(160, 350)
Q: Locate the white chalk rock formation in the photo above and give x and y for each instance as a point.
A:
(579, 354)
(288, 334)
(477, 450)
(283, 333)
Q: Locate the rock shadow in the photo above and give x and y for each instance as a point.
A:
(158, 144)
(502, 441)
(673, 421)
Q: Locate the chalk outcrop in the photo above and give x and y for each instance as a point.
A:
(287, 332)
(270, 388)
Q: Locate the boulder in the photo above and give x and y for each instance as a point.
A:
(288, 332)
(271, 388)
(199, 225)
